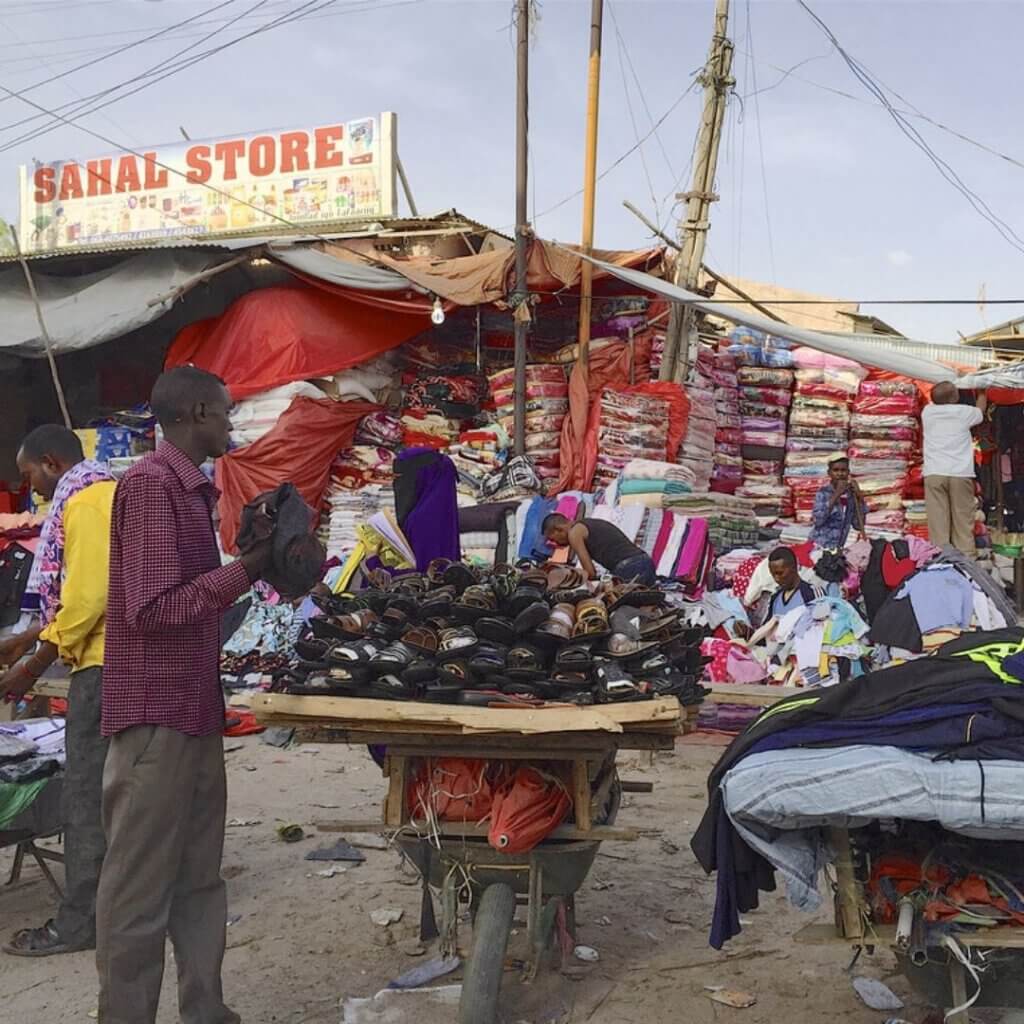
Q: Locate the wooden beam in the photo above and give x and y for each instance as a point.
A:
(457, 830)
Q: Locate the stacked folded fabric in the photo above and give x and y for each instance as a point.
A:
(633, 426)
(348, 509)
(123, 434)
(253, 417)
(380, 429)
(547, 403)
(697, 451)
(771, 499)
(728, 471)
(819, 422)
(362, 465)
(883, 439)
(649, 482)
(915, 518)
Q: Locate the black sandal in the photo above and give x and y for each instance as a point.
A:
(43, 941)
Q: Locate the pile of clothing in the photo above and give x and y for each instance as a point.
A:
(347, 509)
(935, 740)
(915, 608)
(477, 455)
(381, 430)
(883, 438)
(457, 635)
(698, 448)
(31, 751)
(651, 482)
(547, 404)
(128, 433)
(728, 472)
(437, 408)
(632, 427)
(819, 422)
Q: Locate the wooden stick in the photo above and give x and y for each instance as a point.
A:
(176, 293)
(61, 400)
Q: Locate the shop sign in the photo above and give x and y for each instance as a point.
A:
(263, 182)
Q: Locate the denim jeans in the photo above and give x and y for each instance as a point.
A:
(637, 569)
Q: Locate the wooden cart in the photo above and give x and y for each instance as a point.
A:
(456, 858)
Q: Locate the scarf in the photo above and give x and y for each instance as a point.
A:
(47, 569)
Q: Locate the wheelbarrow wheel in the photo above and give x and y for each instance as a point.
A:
(482, 979)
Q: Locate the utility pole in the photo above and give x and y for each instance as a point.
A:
(590, 180)
(521, 296)
(717, 81)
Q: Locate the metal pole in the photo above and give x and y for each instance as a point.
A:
(717, 82)
(47, 344)
(590, 179)
(520, 305)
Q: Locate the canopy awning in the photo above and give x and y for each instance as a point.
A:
(852, 346)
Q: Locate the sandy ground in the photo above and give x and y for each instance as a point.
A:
(299, 944)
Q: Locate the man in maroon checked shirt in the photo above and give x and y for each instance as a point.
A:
(164, 788)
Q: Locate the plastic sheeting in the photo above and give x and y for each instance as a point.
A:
(88, 309)
(274, 336)
(299, 450)
(845, 346)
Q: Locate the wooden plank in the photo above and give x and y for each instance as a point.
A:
(635, 786)
(750, 696)
(553, 719)
(457, 744)
(1010, 937)
(848, 904)
(458, 830)
(488, 753)
(581, 794)
(397, 769)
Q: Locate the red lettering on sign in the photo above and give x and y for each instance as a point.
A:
(44, 181)
(326, 140)
(198, 161)
(156, 177)
(229, 152)
(261, 156)
(128, 179)
(294, 152)
(71, 182)
(98, 182)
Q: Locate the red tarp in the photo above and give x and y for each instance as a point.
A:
(274, 336)
(299, 449)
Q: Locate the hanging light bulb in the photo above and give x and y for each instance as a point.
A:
(437, 313)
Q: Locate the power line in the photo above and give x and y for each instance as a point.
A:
(120, 50)
(293, 16)
(629, 152)
(760, 145)
(944, 169)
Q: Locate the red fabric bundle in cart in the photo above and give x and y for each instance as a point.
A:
(526, 809)
(452, 789)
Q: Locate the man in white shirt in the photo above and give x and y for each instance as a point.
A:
(949, 467)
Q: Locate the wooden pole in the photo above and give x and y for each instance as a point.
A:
(61, 400)
(717, 81)
(521, 297)
(400, 167)
(590, 179)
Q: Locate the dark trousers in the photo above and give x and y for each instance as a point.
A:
(638, 569)
(81, 807)
(164, 798)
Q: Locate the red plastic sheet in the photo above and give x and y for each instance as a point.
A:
(299, 449)
(453, 789)
(274, 336)
(678, 411)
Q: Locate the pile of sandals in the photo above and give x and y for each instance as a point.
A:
(519, 634)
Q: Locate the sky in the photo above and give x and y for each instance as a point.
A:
(820, 192)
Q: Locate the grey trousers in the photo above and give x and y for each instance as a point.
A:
(81, 799)
(164, 799)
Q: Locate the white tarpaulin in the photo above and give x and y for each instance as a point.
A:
(1009, 376)
(847, 346)
(344, 273)
(87, 309)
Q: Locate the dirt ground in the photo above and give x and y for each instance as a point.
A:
(299, 944)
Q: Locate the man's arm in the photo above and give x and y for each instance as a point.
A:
(982, 402)
(578, 542)
(823, 506)
(18, 645)
(158, 596)
(83, 594)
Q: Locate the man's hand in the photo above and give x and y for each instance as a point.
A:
(16, 682)
(13, 648)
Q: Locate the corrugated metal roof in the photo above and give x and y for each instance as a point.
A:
(449, 221)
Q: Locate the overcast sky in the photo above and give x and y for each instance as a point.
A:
(820, 192)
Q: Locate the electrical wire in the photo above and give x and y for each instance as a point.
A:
(121, 147)
(119, 50)
(760, 146)
(294, 16)
(629, 152)
(945, 170)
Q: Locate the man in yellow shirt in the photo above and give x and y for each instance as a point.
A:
(70, 573)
